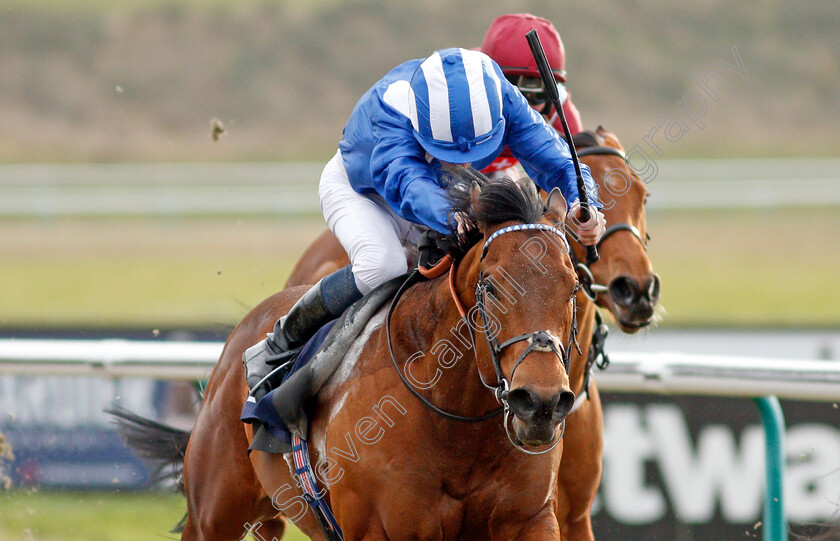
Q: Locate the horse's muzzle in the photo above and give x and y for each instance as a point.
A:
(538, 416)
(634, 305)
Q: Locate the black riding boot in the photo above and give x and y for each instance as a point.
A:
(324, 301)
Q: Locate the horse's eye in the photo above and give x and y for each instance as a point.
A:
(489, 288)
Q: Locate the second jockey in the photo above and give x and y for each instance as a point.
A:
(505, 43)
(385, 182)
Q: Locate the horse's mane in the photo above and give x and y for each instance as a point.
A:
(502, 200)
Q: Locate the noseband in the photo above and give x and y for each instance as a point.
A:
(542, 340)
(538, 340)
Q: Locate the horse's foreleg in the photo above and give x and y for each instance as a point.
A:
(269, 530)
(579, 531)
(580, 470)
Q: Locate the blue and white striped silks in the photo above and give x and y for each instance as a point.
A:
(384, 154)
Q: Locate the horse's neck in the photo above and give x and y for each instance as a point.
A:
(432, 330)
(586, 326)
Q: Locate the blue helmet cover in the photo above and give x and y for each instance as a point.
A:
(455, 106)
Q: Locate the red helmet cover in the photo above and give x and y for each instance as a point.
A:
(505, 43)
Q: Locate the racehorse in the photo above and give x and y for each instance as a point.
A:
(622, 281)
(224, 507)
(497, 328)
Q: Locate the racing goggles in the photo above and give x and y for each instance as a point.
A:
(531, 87)
(533, 90)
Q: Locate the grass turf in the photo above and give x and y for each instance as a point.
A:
(748, 268)
(140, 272)
(93, 516)
(718, 268)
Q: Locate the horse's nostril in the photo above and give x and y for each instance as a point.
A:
(652, 291)
(523, 403)
(563, 404)
(623, 290)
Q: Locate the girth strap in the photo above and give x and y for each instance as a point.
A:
(309, 484)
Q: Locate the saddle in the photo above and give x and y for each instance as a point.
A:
(282, 411)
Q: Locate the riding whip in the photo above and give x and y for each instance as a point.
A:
(551, 88)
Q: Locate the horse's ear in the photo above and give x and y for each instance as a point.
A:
(610, 139)
(475, 193)
(604, 132)
(556, 207)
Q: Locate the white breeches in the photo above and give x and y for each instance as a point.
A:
(371, 233)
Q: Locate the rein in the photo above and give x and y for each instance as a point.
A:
(600, 150)
(412, 279)
(588, 284)
(542, 340)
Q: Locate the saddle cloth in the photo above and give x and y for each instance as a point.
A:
(282, 411)
(263, 412)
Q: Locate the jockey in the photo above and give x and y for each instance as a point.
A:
(385, 182)
(505, 43)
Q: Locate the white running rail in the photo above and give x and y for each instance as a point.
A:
(661, 373)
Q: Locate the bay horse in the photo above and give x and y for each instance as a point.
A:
(395, 467)
(622, 282)
(226, 507)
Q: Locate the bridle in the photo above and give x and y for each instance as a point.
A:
(542, 340)
(588, 284)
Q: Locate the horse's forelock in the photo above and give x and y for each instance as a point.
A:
(500, 201)
(505, 201)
